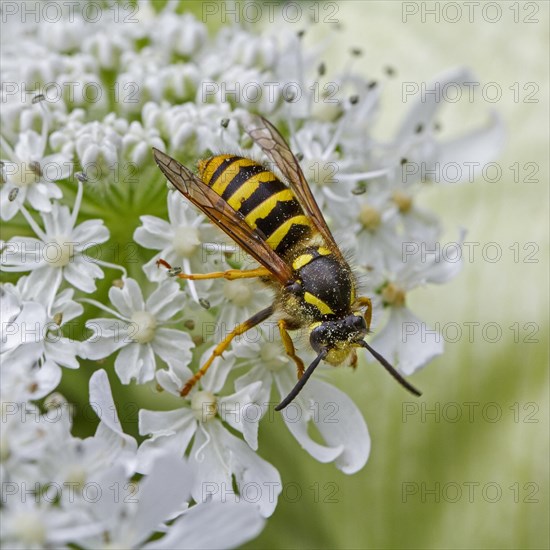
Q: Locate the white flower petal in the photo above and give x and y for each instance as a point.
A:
(166, 300)
(340, 423)
(10, 304)
(65, 305)
(23, 252)
(242, 413)
(407, 342)
(28, 327)
(258, 373)
(211, 462)
(27, 356)
(109, 510)
(109, 336)
(212, 526)
(297, 415)
(38, 200)
(30, 380)
(154, 233)
(153, 271)
(102, 402)
(89, 233)
(173, 346)
(163, 491)
(425, 106)
(165, 422)
(62, 351)
(478, 148)
(128, 299)
(45, 282)
(101, 399)
(176, 444)
(173, 379)
(135, 361)
(249, 468)
(46, 379)
(8, 208)
(56, 167)
(215, 377)
(82, 273)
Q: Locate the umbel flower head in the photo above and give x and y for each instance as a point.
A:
(87, 216)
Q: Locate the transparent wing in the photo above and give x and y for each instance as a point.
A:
(277, 150)
(226, 218)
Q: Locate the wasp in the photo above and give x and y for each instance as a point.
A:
(280, 225)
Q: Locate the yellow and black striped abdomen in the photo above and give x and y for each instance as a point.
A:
(266, 203)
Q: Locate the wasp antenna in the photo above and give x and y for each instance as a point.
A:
(384, 362)
(300, 384)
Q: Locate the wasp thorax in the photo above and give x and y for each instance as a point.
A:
(204, 405)
(142, 328)
(238, 292)
(369, 217)
(393, 295)
(402, 201)
(186, 240)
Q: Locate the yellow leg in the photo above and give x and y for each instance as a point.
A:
(230, 274)
(364, 301)
(289, 347)
(224, 344)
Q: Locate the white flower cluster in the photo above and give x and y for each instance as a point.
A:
(83, 105)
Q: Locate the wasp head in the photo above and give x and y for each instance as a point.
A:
(337, 336)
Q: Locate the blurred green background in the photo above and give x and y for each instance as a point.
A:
(433, 481)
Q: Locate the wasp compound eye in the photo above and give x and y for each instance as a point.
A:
(359, 324)
(319, 337)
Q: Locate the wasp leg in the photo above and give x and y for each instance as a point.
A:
(364, 301)
(224, 344)
(289, 347)
(230, 274)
